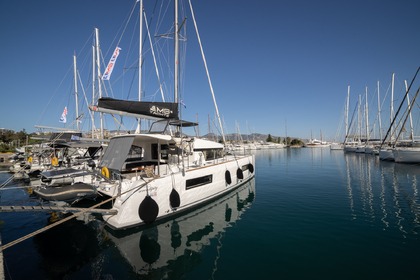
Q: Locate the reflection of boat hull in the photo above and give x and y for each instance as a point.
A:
(68, 193)
(178, 242)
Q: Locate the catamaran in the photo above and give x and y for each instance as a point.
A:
(152, 175)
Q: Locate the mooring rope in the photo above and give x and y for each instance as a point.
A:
(74, 215)
(10, 244)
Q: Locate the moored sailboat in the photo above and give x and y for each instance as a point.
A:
(151, 176)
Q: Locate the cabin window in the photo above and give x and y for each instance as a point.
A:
(210, 154)
(197, 182)
(163, 151)
(135, 152)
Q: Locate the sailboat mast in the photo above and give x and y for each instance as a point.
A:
(98, 67)
(379, 113)
(367, 116)
(75, 92)
(138, 129)
(347, 112)
(176, 54)
(92, 115)
(409, 109)
(392, 106)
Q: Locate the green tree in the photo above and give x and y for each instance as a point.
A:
(269, 138)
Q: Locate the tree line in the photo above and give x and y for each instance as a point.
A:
(286, 140)
(10, 140)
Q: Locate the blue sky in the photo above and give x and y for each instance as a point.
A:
(273, 63)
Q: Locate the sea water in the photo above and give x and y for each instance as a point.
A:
(310, 213)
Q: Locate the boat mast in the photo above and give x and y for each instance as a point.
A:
(359, 120)
(176, 54)
(409, 109)
(379, 115)
(92, 116)
(347, 112)
(392, 108)
(138, 129)
(75, 92)
(366, 116)
(98, 66)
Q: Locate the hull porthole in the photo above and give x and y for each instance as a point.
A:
(251, 168)
(239, 174)
(228, 178)
(174, 199)
(148, 210)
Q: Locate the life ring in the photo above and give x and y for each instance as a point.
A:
(54, 161)
(105, 172)
(30, 159)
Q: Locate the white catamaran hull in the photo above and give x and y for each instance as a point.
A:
(144, 200)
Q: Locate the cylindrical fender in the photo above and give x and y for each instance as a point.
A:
(174, 199)
(239, 174)
(228, 178)
(251, 168)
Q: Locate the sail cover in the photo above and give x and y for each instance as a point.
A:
(138, 109)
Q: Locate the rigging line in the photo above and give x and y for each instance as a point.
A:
(351, 122)
(55, 92)
(124, 28)
(154, 59)
(399, 108)
(407, 115)
(207, 71)
(84, 95)
(74, 215)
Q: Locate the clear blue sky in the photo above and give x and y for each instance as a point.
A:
(271, 62)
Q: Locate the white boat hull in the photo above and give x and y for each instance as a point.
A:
(145, 200)
(386, 154)
(407, 155)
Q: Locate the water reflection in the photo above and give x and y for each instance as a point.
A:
(174, 247)
(383, 192)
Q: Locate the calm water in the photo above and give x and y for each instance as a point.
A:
(309, 214)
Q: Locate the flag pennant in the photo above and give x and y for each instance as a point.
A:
(108, 71)
(63, 118)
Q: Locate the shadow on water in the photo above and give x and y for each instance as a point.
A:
(173, 248)
(67, 247)
(169, 250)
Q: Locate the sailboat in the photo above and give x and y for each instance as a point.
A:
(150, 176)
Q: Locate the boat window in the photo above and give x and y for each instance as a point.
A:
(197, 182)
(163, 151)
(135, 152)
(210, 154)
